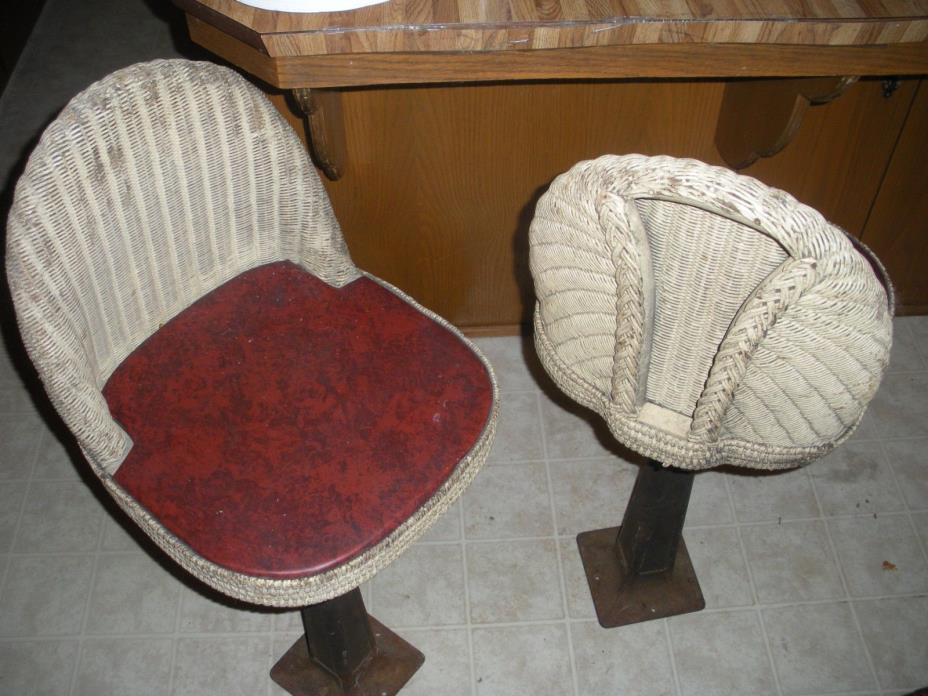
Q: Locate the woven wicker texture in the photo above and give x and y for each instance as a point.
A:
(153, 187)
(708, 318)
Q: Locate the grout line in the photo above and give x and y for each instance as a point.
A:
(923, 543)
(517, 390)
(905, 328)
(70, 638)
(773, 664)
(677, 684)
(855, 693)
(847, 593)
(919, 371)
(822, 518)
(5, 563)
(557, 551)
(82, 636)
(744, 554)
(369, 602)
(136, 551)
(467, 624)
(757, 607)
(175, 638)
(5, 413)
(490, 540)
(15, 536)
(51, 479)
(493, 540)
(204, 635)
(906, 373)
(502, 624)
(166, 635)
(812, 602)
(268, 666)
(496, 463)
(895, 477)
(22, 510)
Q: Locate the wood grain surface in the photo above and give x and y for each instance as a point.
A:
(760, 117)
(475, 25)
(602, 62)
(443, 181)
(897, 228)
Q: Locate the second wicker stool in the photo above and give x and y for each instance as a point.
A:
(710, 320)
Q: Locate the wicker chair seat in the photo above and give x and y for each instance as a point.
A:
(170, 215)
(281, 427)
(708, 318)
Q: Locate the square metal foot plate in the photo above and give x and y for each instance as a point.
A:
(393, 664)
(619, 602)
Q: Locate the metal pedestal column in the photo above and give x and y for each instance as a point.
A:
(345, 651)
(641, 570)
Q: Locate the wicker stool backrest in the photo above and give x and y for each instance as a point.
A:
(709, 318)
(151, 188)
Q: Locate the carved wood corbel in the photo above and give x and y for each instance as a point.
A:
(325, 128)
(759, 118)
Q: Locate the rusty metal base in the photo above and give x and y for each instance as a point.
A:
(393, 664)
(620, 601)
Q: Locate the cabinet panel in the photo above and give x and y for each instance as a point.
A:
(440, 182)
(837, 159)
(897, 229)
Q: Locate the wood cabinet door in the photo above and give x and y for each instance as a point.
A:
(440, 183)
(897, 228)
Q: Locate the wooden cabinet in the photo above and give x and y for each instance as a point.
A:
(440, 124)
(897, 226)
(838, 158)
(442, 181)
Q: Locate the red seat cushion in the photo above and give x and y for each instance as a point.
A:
(282, 426)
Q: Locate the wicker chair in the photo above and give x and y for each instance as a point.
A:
(282, 424)
(710, 320)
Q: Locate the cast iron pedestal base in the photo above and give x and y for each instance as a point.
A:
(392, 665)
(621, 600)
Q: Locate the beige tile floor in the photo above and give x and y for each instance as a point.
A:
(791, 564)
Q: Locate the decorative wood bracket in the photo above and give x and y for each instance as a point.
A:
(760, 117)
(325, 128)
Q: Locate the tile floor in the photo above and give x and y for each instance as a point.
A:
(792, 565)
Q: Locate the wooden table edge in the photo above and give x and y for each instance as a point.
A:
(648, 61)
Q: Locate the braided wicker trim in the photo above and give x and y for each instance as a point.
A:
(634, 301)
(757, 316)
(822, 276)
(655, 443)
(801, 230)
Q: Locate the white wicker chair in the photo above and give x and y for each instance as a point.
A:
(708, 318)
(171, 197)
